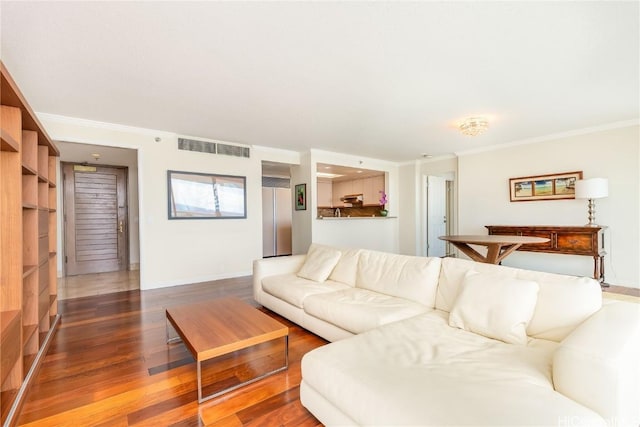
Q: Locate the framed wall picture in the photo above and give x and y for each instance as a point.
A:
(195, 195)
(544, 187)
(301, 197)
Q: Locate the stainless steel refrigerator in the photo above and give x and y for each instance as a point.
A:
(276, 221)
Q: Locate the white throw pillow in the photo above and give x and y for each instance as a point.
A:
(319, 263)
(495, 306)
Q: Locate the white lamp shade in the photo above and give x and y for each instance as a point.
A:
(593, 188)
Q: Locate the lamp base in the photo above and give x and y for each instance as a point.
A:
(592, 214)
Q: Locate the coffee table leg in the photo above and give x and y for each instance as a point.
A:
(221, 392)
(199, 373)
(170, 339)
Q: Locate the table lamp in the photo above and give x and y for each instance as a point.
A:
(593, 188)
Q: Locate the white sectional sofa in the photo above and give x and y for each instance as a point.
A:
(430, 341)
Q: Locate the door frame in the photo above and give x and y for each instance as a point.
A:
(125, 234)
(451, 207)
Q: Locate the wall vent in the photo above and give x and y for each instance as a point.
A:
(212, 148)
(272, 181)
(195, 145)
(233, 150)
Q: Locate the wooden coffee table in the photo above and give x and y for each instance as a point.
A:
(217, 327)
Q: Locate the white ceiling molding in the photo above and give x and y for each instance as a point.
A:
(578, 132)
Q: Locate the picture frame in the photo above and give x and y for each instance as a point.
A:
(300, 195)
(544, 187)
(194, 195)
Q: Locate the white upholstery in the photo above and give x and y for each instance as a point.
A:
(598, 365)
(358, 310)
(563, 301)
(294, 289)
(319, 263)
(347, 267)
(409, 277)
(495, 307)
(411, 368)
(420, 371)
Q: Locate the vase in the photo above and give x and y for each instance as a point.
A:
(384, 212)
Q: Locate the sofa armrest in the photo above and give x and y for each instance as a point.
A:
(271, 267)
(597, 364)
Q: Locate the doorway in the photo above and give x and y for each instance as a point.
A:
(439, 214)
(95, 218)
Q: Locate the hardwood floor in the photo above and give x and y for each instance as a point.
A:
(97, 284)
(109, 365)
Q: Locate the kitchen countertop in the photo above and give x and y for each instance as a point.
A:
(354, 217)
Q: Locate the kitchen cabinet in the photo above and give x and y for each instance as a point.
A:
(339, 190)
(357, 186)
(371, 190)
(325, 194)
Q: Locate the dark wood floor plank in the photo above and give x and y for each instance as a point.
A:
(109, 365)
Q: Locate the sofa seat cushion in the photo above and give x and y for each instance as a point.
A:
(420, 371)
(294, 289)
(357, 310)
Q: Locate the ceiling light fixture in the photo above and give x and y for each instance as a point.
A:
(474, 126)
(327, 175)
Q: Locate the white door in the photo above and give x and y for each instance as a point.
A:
(436, 215)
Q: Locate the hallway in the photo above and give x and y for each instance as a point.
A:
(86, 285)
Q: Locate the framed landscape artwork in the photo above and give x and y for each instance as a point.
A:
(544, 187)
(206, 196)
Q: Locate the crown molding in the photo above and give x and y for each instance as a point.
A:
(55, 118)
(422, 161)
(577, 132)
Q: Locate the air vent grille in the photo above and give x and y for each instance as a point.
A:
(195, 145)
(271, 181)
(212, 148)
(233, 150)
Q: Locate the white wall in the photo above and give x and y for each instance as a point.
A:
(375, 234)
(412, 179)
(409, 225)
(180, 251)
(483, 197)
(301, 220)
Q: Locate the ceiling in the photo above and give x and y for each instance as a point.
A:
(386, 80)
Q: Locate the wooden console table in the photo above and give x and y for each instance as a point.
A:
(570, 240)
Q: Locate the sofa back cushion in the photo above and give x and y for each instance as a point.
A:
(495, 307)
(319, 263)
(409, 277)
(563, 301)
(347, 267)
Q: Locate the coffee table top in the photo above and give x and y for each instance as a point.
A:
(220, 326)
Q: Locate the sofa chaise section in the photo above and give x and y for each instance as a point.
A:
(430, 341)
